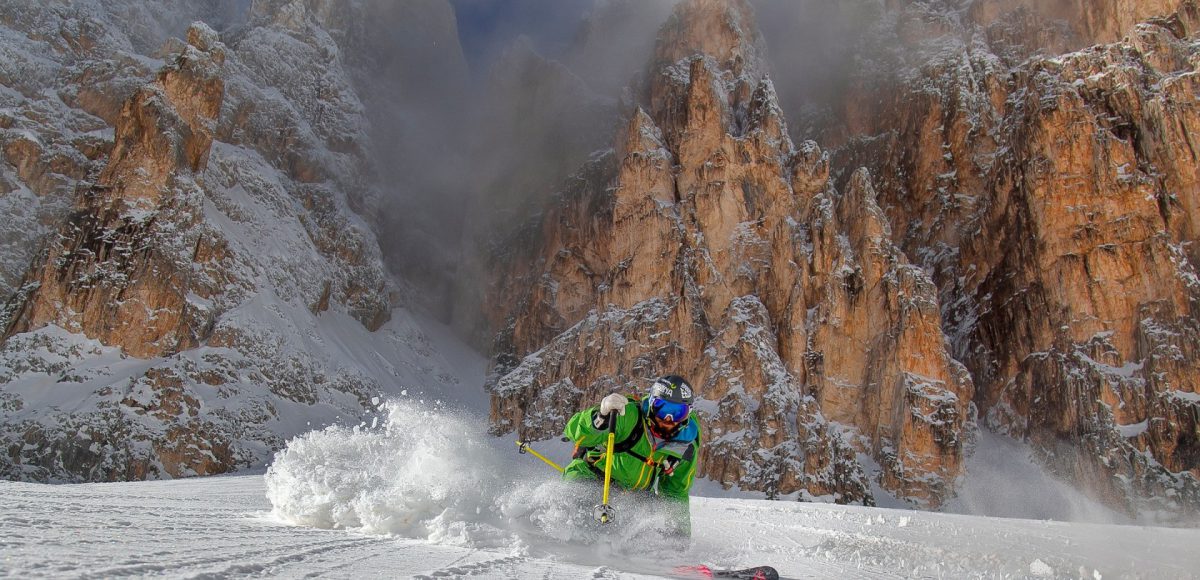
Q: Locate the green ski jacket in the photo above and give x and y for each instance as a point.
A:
(642, 461)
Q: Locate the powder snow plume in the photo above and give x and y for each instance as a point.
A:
(411, 469)
(433, 473)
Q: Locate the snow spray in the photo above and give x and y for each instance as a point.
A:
(416, 472)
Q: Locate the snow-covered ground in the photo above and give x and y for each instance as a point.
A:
(423, 492)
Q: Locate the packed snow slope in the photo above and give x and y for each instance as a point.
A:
(422, 492)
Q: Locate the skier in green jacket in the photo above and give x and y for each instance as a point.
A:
(657, 444)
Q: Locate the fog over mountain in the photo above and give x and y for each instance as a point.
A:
(545, 91)
(546, 83)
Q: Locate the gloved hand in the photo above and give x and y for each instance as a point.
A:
(614, 402)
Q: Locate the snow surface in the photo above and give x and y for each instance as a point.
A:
(425, 493)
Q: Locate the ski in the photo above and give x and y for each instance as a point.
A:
(755, 573)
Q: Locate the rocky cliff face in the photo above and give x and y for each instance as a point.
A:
(1053, 200)
(706, 243)
(113, 274)
(211, 290)
(1084, 22)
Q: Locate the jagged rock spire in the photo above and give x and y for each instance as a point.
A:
(722, 30)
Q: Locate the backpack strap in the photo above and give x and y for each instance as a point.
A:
(634, 437)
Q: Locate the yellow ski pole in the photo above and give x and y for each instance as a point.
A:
(604, 513)
(524, 447)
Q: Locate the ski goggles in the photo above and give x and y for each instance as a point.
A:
(665, 410)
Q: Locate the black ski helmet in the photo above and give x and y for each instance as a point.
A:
(672, 388)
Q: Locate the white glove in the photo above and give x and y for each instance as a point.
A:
(614, 402)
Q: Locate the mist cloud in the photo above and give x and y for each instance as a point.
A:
(473, 156)
(1002, 479)
(812, 47)
(488, 28)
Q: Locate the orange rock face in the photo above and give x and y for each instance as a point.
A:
(1090, 22)
(707, 244)
(118, 272)
(1055, 202)
(226, 208)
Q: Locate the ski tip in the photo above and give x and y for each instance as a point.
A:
(755, 573)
